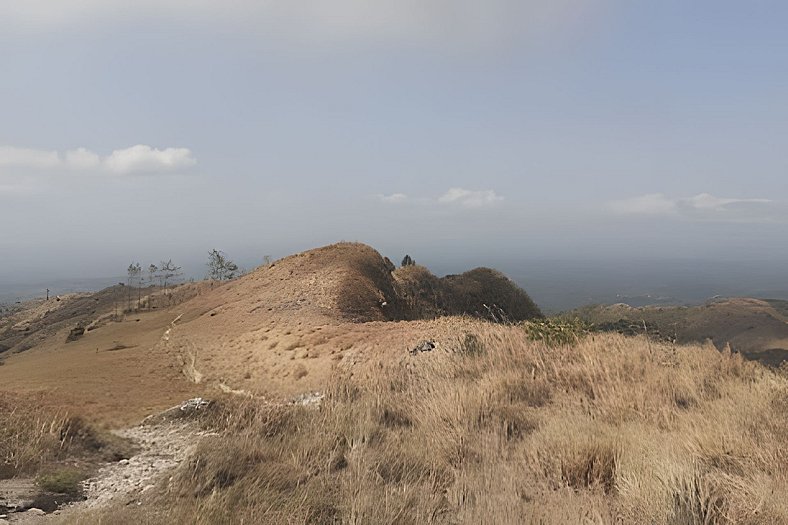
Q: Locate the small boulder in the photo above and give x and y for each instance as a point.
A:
(75, 333)
(424, 346)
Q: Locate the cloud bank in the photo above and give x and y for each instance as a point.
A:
(133, 160)
(458, 197)
(29, 158)
(470, 198)
(393, 198)
(703, 206)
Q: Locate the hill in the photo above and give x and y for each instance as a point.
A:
(756, 328)
(482, 293)
(279, 330)
(341, 389)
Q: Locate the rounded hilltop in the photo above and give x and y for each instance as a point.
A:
(282, 329)
(354, 282)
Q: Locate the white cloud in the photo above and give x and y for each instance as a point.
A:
(703, 206)
(393, 198)
(136, 159)
(469, 198)
(11, 156)
(704, 201)
(141, 158)
(650, 204)
(82, 159)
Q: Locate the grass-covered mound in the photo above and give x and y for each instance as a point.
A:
(482, 292)
(502, 430)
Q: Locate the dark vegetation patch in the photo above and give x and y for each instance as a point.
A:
(64, 480)
(483, 293)
(375, 290)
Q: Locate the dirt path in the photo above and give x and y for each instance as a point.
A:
(164, 442)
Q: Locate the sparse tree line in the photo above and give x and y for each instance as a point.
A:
(165, 274)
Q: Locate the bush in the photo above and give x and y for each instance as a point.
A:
(471, 345)
(62, 481)
(555, 332)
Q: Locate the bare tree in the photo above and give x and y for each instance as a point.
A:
(129, 279)
(152, 271)
(134, 272)
(220, 268)
(169, 273)
(137, 274)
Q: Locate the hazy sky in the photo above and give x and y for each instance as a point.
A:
(547, 129)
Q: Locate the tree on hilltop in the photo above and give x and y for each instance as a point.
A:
(220, 268)
(169, 272)
(134, 272)
(408, 261)
(153, 273)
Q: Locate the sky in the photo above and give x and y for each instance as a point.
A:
(450, 130)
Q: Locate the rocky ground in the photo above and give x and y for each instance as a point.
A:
(164, 441)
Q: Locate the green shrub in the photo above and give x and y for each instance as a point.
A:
(556, 332)
(62, 481)
(471, 345)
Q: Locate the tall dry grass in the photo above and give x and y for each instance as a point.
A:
(35, 437)
(30, 435)
(503, 430)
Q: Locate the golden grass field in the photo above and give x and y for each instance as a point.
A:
(492, 426)
(500, 430)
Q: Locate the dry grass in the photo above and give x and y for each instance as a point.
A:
(29, 435)
(35, 437)
(612, 429)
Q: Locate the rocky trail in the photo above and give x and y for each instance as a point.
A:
(164, 441)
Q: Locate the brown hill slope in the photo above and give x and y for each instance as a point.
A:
(34, 322)
(280, 330)
(754, 327)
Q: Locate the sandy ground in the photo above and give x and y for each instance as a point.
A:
(110, 375)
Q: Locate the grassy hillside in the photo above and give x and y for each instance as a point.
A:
(423, 410)
(756, 328)
(278, 330)
(502, 430)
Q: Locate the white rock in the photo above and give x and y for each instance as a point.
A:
(35, 512)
